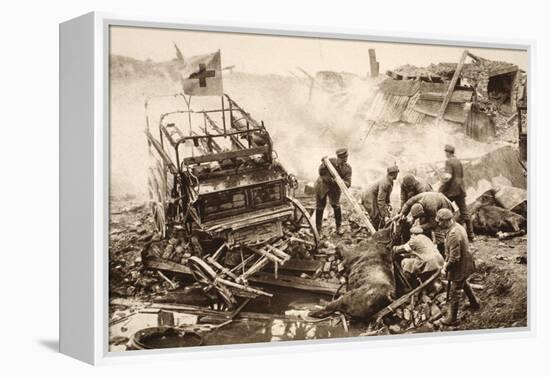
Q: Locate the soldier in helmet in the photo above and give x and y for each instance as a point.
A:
(459, 265)
(326, 186)
(453, 188)
(376, 198)
(411, 186)
(423, 209)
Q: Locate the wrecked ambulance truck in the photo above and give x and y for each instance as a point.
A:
(222, 204)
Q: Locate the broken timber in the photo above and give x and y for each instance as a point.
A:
(267, 278)
(404, 299)
(356, 207)
(452, 85)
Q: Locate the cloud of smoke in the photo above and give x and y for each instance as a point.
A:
(304, 125)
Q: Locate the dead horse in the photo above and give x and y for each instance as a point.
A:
(371, 281)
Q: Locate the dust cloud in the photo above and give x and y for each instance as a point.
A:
(305, 126)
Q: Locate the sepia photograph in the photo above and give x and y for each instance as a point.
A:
(267, 188)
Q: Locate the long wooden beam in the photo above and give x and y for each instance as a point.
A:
(452, 85)
(404, 299)
(354, 205)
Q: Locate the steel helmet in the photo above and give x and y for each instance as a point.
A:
(408, 180)
(444, 214)
(417, 210)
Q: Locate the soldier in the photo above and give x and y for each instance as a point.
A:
(453, 187)
(459, 265)
(411, 186)
(327, 186)
(376, 199)
(423, 209)
(421, 257)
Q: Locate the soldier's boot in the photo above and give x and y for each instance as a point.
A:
(319, 220)
(474, 303)
(470, 229)
(451, 318)
(338, 220)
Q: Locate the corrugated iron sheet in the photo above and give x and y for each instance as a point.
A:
(410, 115)
(387, 108)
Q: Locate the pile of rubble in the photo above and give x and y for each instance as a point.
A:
(333, 268)
(423, 310)
(173, 249)
(131, 232)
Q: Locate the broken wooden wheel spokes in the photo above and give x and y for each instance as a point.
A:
(206, 276)
(301, 220)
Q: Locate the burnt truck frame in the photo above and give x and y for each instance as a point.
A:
(228, 202)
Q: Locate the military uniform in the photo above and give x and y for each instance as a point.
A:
(460, 265)
(431, 202)
(454, 189)
(458, 257)
(410, 186)
(424, 256)
(326, 186)
(376, 199)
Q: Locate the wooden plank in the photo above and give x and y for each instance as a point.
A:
(355, 206)
(394, 75)
(296, 283)
(285, 209)
(452, 85)
(302, 265)
(165, 265)
(226, 155)
(503, 71)
(251, 220)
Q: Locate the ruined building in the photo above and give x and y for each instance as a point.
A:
(483, 88)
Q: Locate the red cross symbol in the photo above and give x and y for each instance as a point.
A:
(202, 74)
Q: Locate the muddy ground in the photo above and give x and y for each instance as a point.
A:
(500, 282)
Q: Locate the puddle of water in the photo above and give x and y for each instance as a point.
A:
(238, 332)
(292, 304)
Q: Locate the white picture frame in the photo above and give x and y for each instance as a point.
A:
(84, 187)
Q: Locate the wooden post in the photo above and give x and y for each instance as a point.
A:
(374, 66)
(355, 206)
(452, 85)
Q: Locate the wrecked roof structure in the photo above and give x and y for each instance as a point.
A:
(494, 81)
(461, 93)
